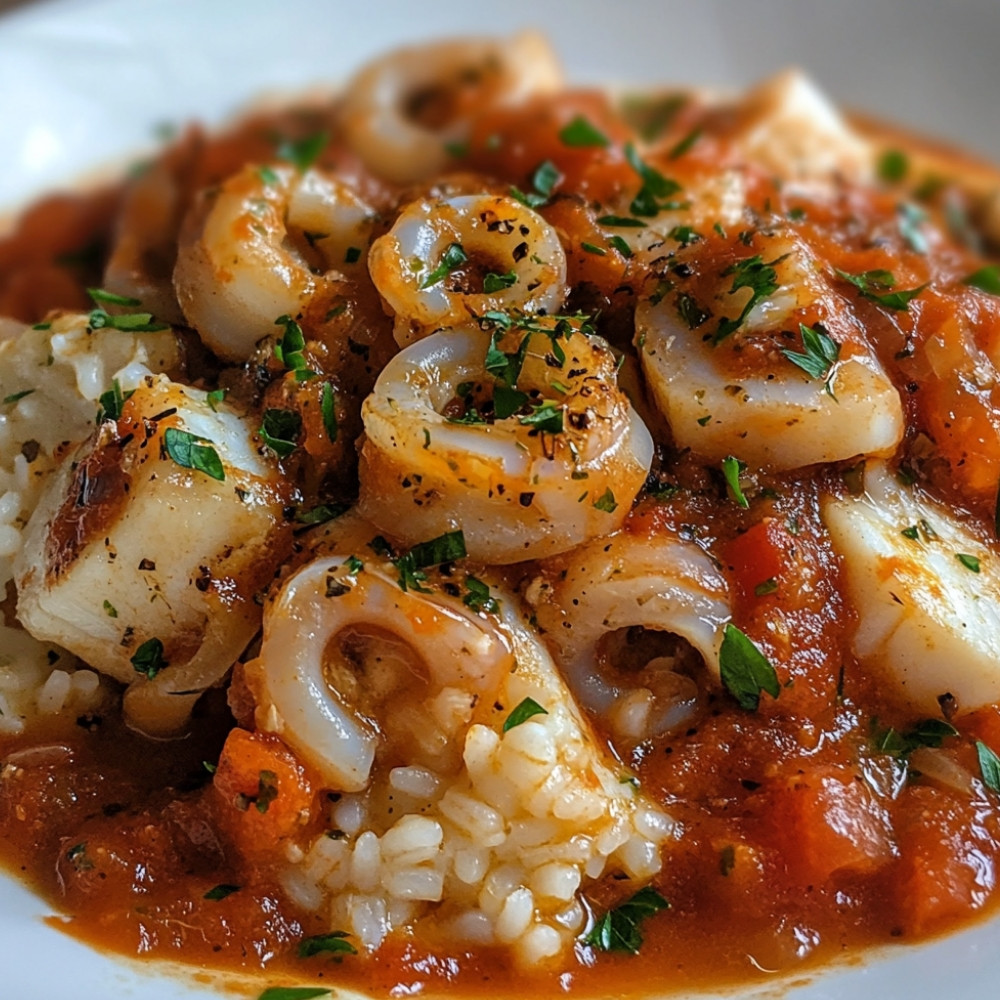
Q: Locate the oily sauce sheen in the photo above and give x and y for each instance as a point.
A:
(802, 837)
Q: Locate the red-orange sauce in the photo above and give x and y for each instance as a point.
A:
(788, 858)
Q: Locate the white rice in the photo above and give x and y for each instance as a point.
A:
(496, 853)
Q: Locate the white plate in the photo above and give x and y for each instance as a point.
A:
(85, 83)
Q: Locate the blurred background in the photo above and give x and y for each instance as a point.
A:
(85, 81)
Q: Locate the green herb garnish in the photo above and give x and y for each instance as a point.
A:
(655, 187)
(893, 166)
(579, 132)
(745, 670)
(293, 993)
(101, 297)
(969, 562)
(303, 153)
(443, 549)
(544, 181)
(545, 417)
(986, 279)
(279, 430)
(498, 282)
(685, 144)
(989, 766)
(148, 659)
(452, 259)
(732, 469)
(328, 410)
(606, 502)
(221, 891)
(760, 278)
(192, 452)
(875, 286)
(478, 597)
(820, 354)
(335, 942)
(618, 929)
(524, 711)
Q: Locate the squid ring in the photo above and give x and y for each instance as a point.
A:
(518, 492)
(414, 265)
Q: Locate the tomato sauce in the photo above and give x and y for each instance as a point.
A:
(807, 832)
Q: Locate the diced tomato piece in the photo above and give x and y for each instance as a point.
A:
(758, 557)
(947, 865)
(983, 724)
(827, 821)
(264, 794)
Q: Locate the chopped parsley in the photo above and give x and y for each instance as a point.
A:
(267, 175)
(110, 610)
(303, 153)
(893, 166)
(768, 586)
(986, 279)
(335, 942)
(580, 133)
(820, 354)
(288, 350)
(760, 278)
(215, 397)
(506, 402)
(267, 791)
(876, 286)
(606, 502)
(111, 402)
(102, 297)
(452, 259)
(443, 549)
(732, 469)
(689, 311)
(926, 733)
(15, 396)
(684, 235)
(618, 929)
(498, 282)
(655, 187)
(141, 322)
(621, 222)
(618, 242)
(293, 993)
(506, 367)
(478, 596)
(544, 181)
(279, 430)
(685, 144)
(192, 452)
(320, 514)
(221, 891)
(745, 670)
(971, 563)
(328, 410)
(590, 248)
(148, 659)
(522, 712)
(989, 766)
(545, 417)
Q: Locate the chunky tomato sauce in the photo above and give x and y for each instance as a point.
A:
(808, 828)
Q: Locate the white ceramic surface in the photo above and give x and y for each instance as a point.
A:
(85, 82)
